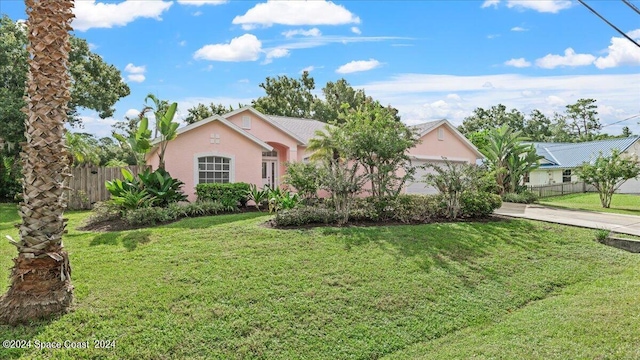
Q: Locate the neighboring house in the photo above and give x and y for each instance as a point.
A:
(560, 160)
(248, 146)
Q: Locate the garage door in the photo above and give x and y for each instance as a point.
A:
(419, 187)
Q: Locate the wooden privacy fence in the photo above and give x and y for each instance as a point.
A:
(561, 189)
(87, 184)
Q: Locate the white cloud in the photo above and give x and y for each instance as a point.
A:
(243, 48)
(201, 2)
(570, 58)
(356, 66)
(295, 13)
(544, 6)
(135, 73)
(493, 36)
(621, 52)
(489, 3)
(136, 78)
(308, 69)
(302, 32)
(90, 14)
(418, 96)
(519, 63)
(275, 54)
(132, 113)
(556, 101)
(356, 30)
(197, 13)
(130, 68)
(455, 97)
(519, 29)
(182, 43)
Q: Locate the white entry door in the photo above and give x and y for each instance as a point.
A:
(270, 173)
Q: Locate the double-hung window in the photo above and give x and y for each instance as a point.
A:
(214, 169)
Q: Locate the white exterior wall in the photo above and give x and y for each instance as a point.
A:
(631, 186)
(549, 176)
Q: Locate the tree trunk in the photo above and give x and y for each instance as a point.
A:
(40, 279)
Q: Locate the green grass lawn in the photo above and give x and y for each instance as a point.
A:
(620, 203)
(227, 287)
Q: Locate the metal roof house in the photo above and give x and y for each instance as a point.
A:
(560, 160)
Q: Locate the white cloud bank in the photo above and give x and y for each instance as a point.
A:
(91, 14)
(357, 66)
(544, 6)
(295, 13)
(202, 2)
(425, 97)
(621, 52)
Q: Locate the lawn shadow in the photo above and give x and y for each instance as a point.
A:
(202, 222)
(29, 331)
(130, 239)
(449, 246)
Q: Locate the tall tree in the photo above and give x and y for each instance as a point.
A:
(537, 127)
(96, 85)
(626, 132)
(287, 96)
(41, 276)
(582, 118)
(201, 111)
(493, 118)
(340, 93)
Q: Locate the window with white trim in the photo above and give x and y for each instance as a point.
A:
(246, 122)
(214, 169)
(440, 134)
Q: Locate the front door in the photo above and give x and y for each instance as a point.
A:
(270, 173)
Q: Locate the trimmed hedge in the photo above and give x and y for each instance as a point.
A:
(408, 209)
(225, 193)
(175, 211)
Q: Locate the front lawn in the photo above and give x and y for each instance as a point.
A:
(228, 287)
(620, 203)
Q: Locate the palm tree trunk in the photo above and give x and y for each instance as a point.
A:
(40, 279)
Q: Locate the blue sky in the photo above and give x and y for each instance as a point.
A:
(430, 59)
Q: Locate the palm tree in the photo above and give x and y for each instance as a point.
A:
(502, 143)
(40, 279)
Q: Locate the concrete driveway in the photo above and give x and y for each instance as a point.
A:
(623, 224)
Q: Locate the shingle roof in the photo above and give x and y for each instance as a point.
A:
(303, 128)
(424, 127)
(570, 155)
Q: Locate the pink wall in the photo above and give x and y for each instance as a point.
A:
(181, 154)
(451, 147)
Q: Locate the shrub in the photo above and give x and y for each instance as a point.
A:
(281, 200)
(305, 178)
(306, 215)
(602, 235)
(133, 199)
(162, 186)
(364, 209)
(525, 197)
(147, 216)
(259, 196)
(417, 208)
(478, 204)
(236, 192)
(104, 211)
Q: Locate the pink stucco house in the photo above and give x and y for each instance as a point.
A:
(248, 146)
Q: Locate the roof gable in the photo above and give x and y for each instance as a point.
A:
(428, 127)
(267, 118)
(225, 122)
